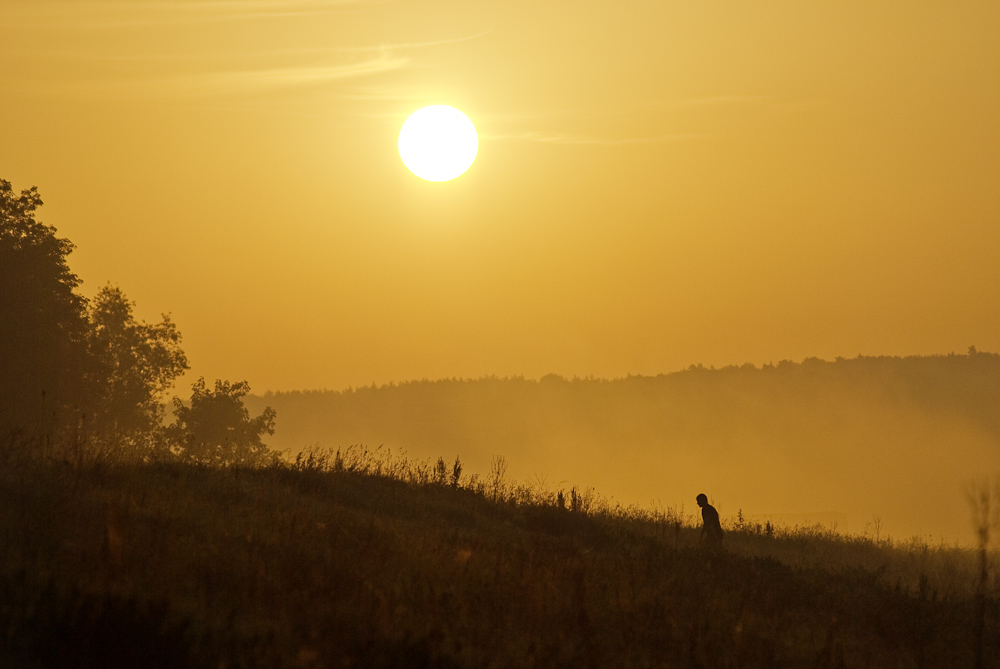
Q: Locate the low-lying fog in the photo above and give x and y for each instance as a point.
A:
(866, 443)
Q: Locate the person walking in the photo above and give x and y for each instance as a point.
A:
(711, 529)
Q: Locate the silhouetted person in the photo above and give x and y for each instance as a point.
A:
(711, 529)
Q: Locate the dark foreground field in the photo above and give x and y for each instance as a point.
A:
(170, 565)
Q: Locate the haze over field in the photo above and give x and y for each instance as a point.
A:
(893, 439)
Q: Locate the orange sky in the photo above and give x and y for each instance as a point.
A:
(658, 183)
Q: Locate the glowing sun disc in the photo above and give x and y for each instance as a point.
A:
(438, 143)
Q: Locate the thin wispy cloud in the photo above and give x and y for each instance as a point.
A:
(124, 14)
(650, 106)
(417, 45)
(124, 68)
(309, 75)
(602, 117)
(588, 140)
(229, 82)
(709, 100)
(378, 94)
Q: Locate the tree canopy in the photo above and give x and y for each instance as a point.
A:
(133, 365)
(89, 372)
(216, 428)
(44, 321)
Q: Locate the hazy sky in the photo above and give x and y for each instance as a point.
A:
(658, 183)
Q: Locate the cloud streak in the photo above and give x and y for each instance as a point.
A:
(126, 14)
(588, 140)
(128, 69)
(220, 83)
(602, 116)
(308, 75)
(652, 106)
(417, 45)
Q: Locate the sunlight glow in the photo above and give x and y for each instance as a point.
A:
(438, 143)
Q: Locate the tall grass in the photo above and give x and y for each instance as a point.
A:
(364, 557)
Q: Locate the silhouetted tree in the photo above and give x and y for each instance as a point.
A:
(69, 368)
(42, 321)
(216, 428)
(132, 364)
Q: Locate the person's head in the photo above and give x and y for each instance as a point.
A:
(702, 499)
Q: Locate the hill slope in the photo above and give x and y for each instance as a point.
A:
(168, 565)
(896, 438)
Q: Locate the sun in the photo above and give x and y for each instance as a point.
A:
(438, 143)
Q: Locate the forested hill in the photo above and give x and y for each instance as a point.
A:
(894, 437)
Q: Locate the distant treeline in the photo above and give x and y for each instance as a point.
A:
(890, 435)
(698, 402)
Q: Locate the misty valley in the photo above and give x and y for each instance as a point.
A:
(868, 440)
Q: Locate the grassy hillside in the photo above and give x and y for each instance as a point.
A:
(897, 438)
(370, 560)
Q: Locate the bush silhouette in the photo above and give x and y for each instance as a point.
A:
(216, 428)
